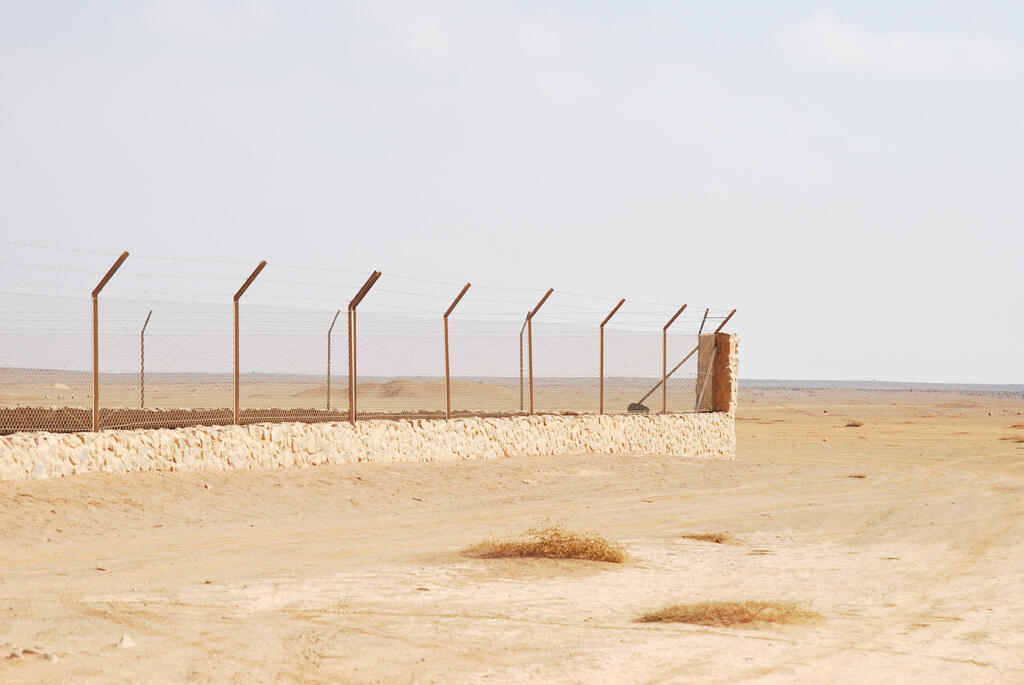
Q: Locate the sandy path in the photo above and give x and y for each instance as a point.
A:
(355, 573)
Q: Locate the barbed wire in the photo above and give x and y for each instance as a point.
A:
(57, 248)
(301, 283)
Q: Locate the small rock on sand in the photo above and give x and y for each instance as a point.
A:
(49, 656)
(125, 642)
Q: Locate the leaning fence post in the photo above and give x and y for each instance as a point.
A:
(96, 340)
(664, 360)
(241, 291)
(700, 331)
(333, 321)
(142, 362)
(352, 342)
(529, 339)
(601, 382)
(447, 367)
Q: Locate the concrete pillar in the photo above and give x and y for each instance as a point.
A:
(719, 390)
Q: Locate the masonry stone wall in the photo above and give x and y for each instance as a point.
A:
(725, 383)
(285, 445)
(718, 372)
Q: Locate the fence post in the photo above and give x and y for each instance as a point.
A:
(447, 367)
(352, 342)
(529, 339)
(241, 291)
(142, 362)
(700, 331)
(521, 382)
(333, 321)
(601, 382)
(96, 340)
(664, 360)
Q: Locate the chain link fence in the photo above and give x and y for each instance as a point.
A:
(167, 363)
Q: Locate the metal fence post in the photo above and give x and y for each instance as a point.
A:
(241, 291)
(142, 362)
(521, 381)
(529, 339)
(96, 340)
(333, 321)
(601, 382)
(447, 367)
(664, 360)
(352, 409)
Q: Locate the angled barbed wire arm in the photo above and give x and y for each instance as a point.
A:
(330, 330)
(352, 395)
(447, 360)
(521, 377)
(142, 362)
(608, 318)
(96, 339)
(700, 331)
(237, 297)
(529, 339)
(664, 359)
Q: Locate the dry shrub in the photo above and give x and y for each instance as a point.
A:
(854, 424)
(718, 538)
(1013, 438)
(856, 475)
(552, 543)
(1018, 425)
(732, 613)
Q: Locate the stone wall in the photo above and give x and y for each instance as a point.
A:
(718, 390)
(284, 445)
(725, 380)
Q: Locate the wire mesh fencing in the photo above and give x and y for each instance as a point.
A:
(292, 364)
(178, 358)
(166, 364)
(45, 370)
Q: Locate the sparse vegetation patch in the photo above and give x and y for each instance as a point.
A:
(732, 613)
(552, 543)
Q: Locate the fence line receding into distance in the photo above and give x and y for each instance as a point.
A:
(79, 362)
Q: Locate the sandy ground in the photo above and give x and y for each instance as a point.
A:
(906, 533)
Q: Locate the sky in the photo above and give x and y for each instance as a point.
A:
(845, 175)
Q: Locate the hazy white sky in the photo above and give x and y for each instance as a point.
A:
(847, 175)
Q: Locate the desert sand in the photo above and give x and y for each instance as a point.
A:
(906, 533)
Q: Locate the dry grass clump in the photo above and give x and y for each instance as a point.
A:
(854, 424)
(552, 543)
(732, 613)
(718, 538)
